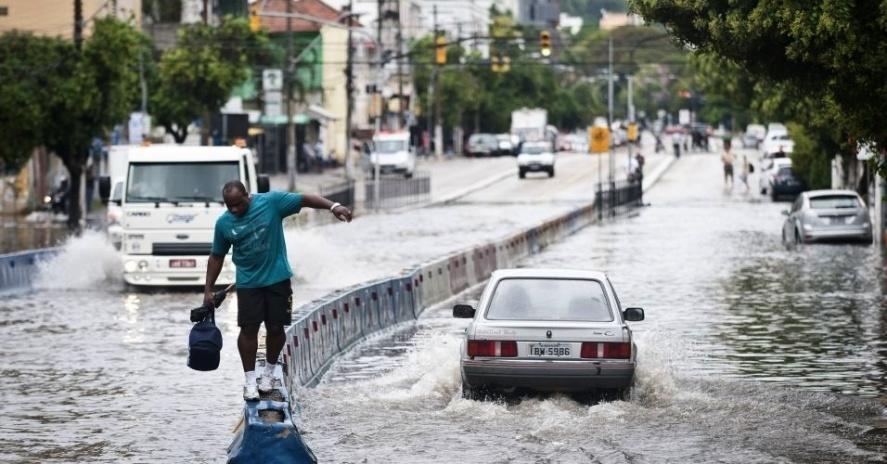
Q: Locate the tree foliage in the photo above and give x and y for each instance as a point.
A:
(195, 78)
(29, 70)
(834, 51)
(61, 98)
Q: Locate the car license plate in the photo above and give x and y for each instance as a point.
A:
(550, 350)
(180, 263)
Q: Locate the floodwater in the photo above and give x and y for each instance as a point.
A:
(93, 371)
(751, 352)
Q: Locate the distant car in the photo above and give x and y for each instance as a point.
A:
(753, 136)
(535, 157)
(482, 144)
(778, 179)
(504, 145)
(393, 153)
(827, 215)
(547, 330)
(777, 142)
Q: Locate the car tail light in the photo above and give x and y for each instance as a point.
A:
(606, 350)
(492, 349)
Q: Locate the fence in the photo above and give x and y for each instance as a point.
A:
(618, 195)
(395, 192)
(342, 192)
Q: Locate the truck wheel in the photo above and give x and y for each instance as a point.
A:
(551, 172)
(408, 175)
(521, 173)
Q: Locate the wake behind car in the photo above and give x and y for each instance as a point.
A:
(535, 157)
(548, 330)
(827, 215)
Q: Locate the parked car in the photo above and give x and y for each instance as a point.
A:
(504, 145)
(827, 215)
(535, 157)
(547, 330)
(778, 179)
(777, 142)
(482, 144)
(753, 136)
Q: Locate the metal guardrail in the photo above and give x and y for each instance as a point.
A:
(342, 192)
(395, 192)
(618, 195)
(18, 270)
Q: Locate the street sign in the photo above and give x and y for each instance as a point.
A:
(600, 139)
(632, 132)
(273, 103)
(272, 79)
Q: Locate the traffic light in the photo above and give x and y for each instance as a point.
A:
(255, 22)
(440, 49)
(545, 43)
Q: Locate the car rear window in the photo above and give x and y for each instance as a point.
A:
(834, 202)
(537, 299)
(785, 172)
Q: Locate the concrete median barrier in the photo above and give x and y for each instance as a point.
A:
(18, 270)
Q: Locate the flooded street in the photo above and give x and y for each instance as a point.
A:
(750, 352)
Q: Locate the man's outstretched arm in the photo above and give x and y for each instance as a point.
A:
(319, 202)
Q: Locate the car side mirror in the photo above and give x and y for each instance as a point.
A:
(463, 311)
(104, 188)
(633, 314)
(263, 184)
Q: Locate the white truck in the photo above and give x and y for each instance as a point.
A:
(529, 123)
(169, 199)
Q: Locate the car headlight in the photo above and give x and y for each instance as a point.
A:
(807, 226)
(130, 266)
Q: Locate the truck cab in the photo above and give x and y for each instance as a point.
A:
(168, 204)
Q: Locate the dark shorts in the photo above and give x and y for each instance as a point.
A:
(272, 305)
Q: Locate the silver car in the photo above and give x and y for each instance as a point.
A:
(548, 330)
(827, 215)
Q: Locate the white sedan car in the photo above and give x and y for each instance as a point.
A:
(548, 330)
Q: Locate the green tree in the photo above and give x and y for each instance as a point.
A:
(195, 78)
(29, 70)
(95, 90)
(834, 50)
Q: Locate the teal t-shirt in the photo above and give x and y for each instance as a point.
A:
(257, 237)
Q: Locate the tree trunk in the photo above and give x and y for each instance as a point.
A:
(75, 171)
(178, 135)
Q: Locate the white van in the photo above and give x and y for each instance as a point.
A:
(392, 152)
(170, 198)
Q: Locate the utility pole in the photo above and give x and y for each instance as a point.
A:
(78, 24)
(429, 112)
(291, 164)
(438, 130)
(630, 121)
(377, 168)
(400, 119)
(612, 166)
(349, 89)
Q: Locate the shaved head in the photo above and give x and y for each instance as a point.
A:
(236, 197)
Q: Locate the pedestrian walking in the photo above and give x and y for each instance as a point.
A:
(676, 144)
(744, 171)
(728, 159)
(253, 226)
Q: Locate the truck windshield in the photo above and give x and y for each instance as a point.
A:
(175, 182)
(391, 146)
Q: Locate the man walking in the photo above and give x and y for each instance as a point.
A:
(253, 225)
(728, 159)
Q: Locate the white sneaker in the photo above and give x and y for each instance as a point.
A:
(250, 392)
(266, 383)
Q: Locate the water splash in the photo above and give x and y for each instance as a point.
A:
(84, 262)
